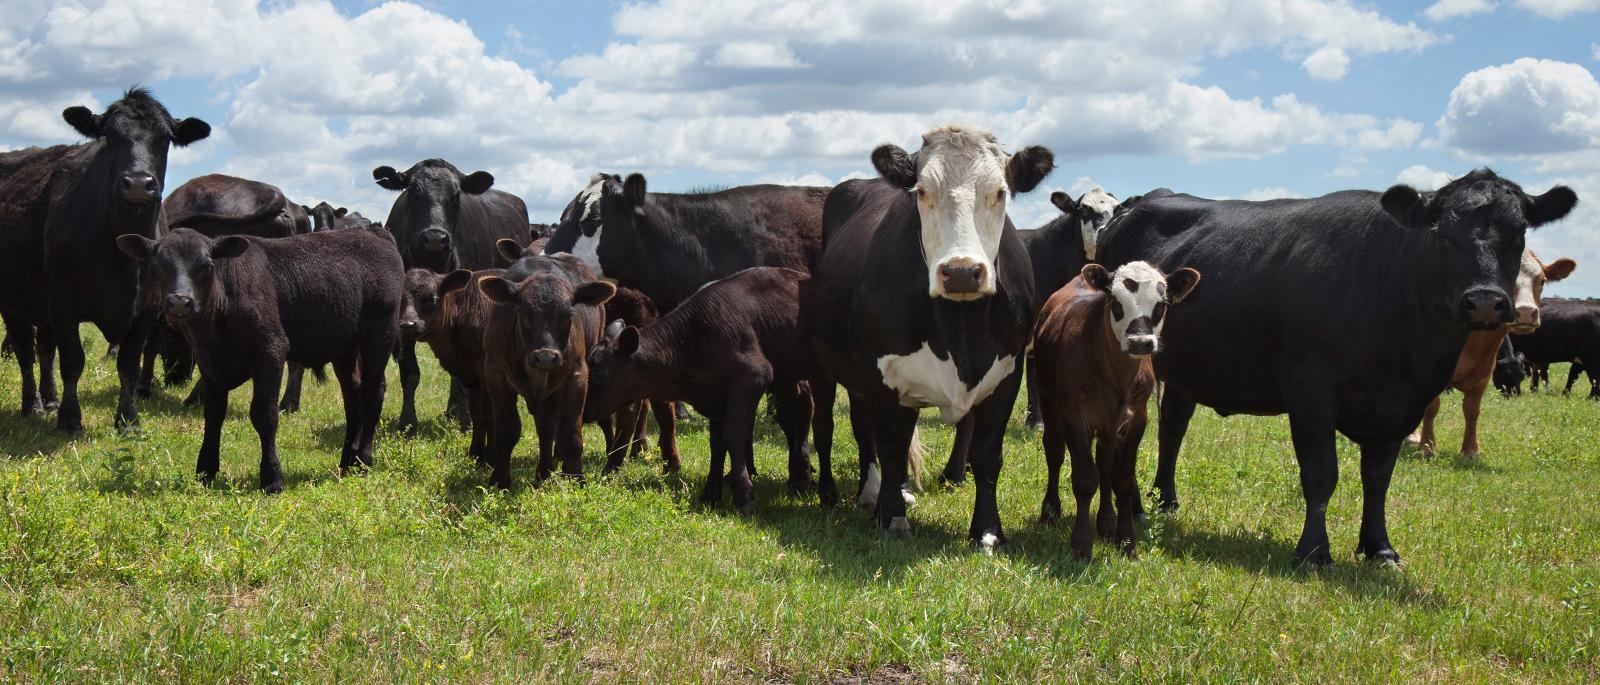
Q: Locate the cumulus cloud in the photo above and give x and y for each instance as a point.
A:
(1444, 10)
(1327, 64)
(1527, 107)
(1559, 9)
(1419, 176)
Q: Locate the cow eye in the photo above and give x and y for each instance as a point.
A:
(922, 195)
(999, 196)
(1160, 312)
(1116, 310)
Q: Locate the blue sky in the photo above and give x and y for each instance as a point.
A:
(1243, 99)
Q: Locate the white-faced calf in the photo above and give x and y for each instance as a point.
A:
(1091, 358)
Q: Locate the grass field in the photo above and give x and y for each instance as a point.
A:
(116, 566)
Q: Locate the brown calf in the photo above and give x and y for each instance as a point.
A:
(1091, 361)
(442, 311)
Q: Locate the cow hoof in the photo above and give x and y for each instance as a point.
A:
(987, 544)
(70, 428)
(709, 498)
(746, 509)
(827, 494)
(1384, 556)
(671, 467)
(952, 483)
(900, 527)
(867, 503)
(144, 392)
(288, 407)
(1469, 454)
(272, 488)
(407, 427)
(800, 485)
(1168, 507)
(1315, 561)
(1085, 554)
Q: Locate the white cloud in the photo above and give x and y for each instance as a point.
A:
(1452, 9)
(1419, 176)
(1594, 52)
(752, 55)
(1559, 9)
(1327, 64)
(1527, 107)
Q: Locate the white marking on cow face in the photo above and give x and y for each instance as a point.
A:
(1096, 208)
(1138, 308)
(922, 379)
(590, 223)
(961, 198)
(1532, 275)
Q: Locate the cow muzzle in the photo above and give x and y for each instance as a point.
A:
(962, 278)
(180, 306)
(1485, 308)
(410, 329)
(434, 241)
(1527, 320)
(545, 359)
(138, 187)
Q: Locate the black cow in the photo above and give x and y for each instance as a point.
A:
(446, 220)
(923, 297)
(325, 217)
(217, 205)
(1569, 331)
(247, 305)
(1510, 367)
(61, 209)
(668, 245)
(1348, 312)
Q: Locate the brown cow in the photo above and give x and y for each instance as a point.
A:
(1475, 366)
(450, 317)
(1091, 356)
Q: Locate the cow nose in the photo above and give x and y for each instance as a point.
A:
(1527, 319)
(138, 186)
(180, 305)
(546, 358)
(961, 280)
(435, 240)
(410, 327)
(1141, 344)
(1485, 308)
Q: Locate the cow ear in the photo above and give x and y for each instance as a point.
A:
(1552, 205)
(387, 177)
(594, 293)
(307, 208)
(895, 166)
(628, 341)
(1559, 269)
(454, 280)
(1063, 202)
(633, 190)
(340, 212)
(1028, 167)
(509, 250)
(189, 131)
(477, 182)
(136, 246)
(497, 289)
(1409, 207)
(1180, 283)
(1096, 276)
(229, 247)
(83, 121)
(1128, 204)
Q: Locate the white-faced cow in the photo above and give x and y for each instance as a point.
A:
(442, 221)
(923, 297)
(1347, 312)
(61, 210)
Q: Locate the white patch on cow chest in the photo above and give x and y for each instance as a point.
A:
(922, 379)
(588, 249)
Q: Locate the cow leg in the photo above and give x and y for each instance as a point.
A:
(989, 432)
(955, 470)
(1311, 427)
(1574, 370)
(1055, 448)
(567, 431)
(69, 418)
(295, 376)
(1106, 449)
(892, 431)
(544, 426)
(667, 424)
(1471, 405)
(215, 399)
(1177, 408)
(822, 395)
(196, 396)
(350, 393)
(456, 406)
(712, 492)
(1085, 485)
(478, 449)
(129, 355)
(177, 359)
(410, 375)
(870, 478)
(505, 429)
(372, 387)
(738, 438)
(153, 344)
(1032, 419)
(20, 336)
(611, 428)
(1125, 485)
(264, 416)
(1424, 439)
(45, 353)
(794, 418)
(1377, 465)
(641, 430)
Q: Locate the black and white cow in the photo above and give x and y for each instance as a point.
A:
(923, 297)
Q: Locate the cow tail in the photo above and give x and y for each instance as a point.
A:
(917, 455)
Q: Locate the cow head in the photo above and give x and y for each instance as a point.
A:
(544, 325)
(324, 217)
(1092, 211)
(1476, 226)
(962, 179)
(578, 230)
(433, 189)
(1531, 277)
(1137, 298)
(137, 131)
(614, 371)
(422, 307)
(183, 268)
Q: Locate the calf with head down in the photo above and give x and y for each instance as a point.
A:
(247, 305)
(1091, 356)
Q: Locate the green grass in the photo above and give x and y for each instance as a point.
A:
(116, 566)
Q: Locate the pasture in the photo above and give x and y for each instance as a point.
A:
(115, 565)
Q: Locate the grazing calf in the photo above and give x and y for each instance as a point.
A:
(720, 351)
(1510, 368)
(1476, 365)
(1092, 349)
(441, 311)
(247, 305)
(540, 331)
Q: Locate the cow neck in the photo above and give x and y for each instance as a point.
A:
(1119, 367)
(663, 364)
(963, 334)
(1437, 341)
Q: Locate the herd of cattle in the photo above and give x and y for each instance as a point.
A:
(1351, 312)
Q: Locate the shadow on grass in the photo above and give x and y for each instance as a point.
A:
(1452, 459)
(22, 437)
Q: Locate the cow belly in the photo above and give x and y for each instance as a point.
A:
(922, 379)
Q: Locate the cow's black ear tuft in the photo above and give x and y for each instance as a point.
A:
(1063, 202)
(1409, 207)
(1552, 205)
(228, 247)
(628, 342)
(895, 166)
(594, 293)
(633, 190)
(1029, 167)
(497, 289)
(1180, 283)
(477, 182)
(387, 177)
(1096, 276)
(136, 246)
(454, 280)
(83, 121)
(509, 250)
(189, 131)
